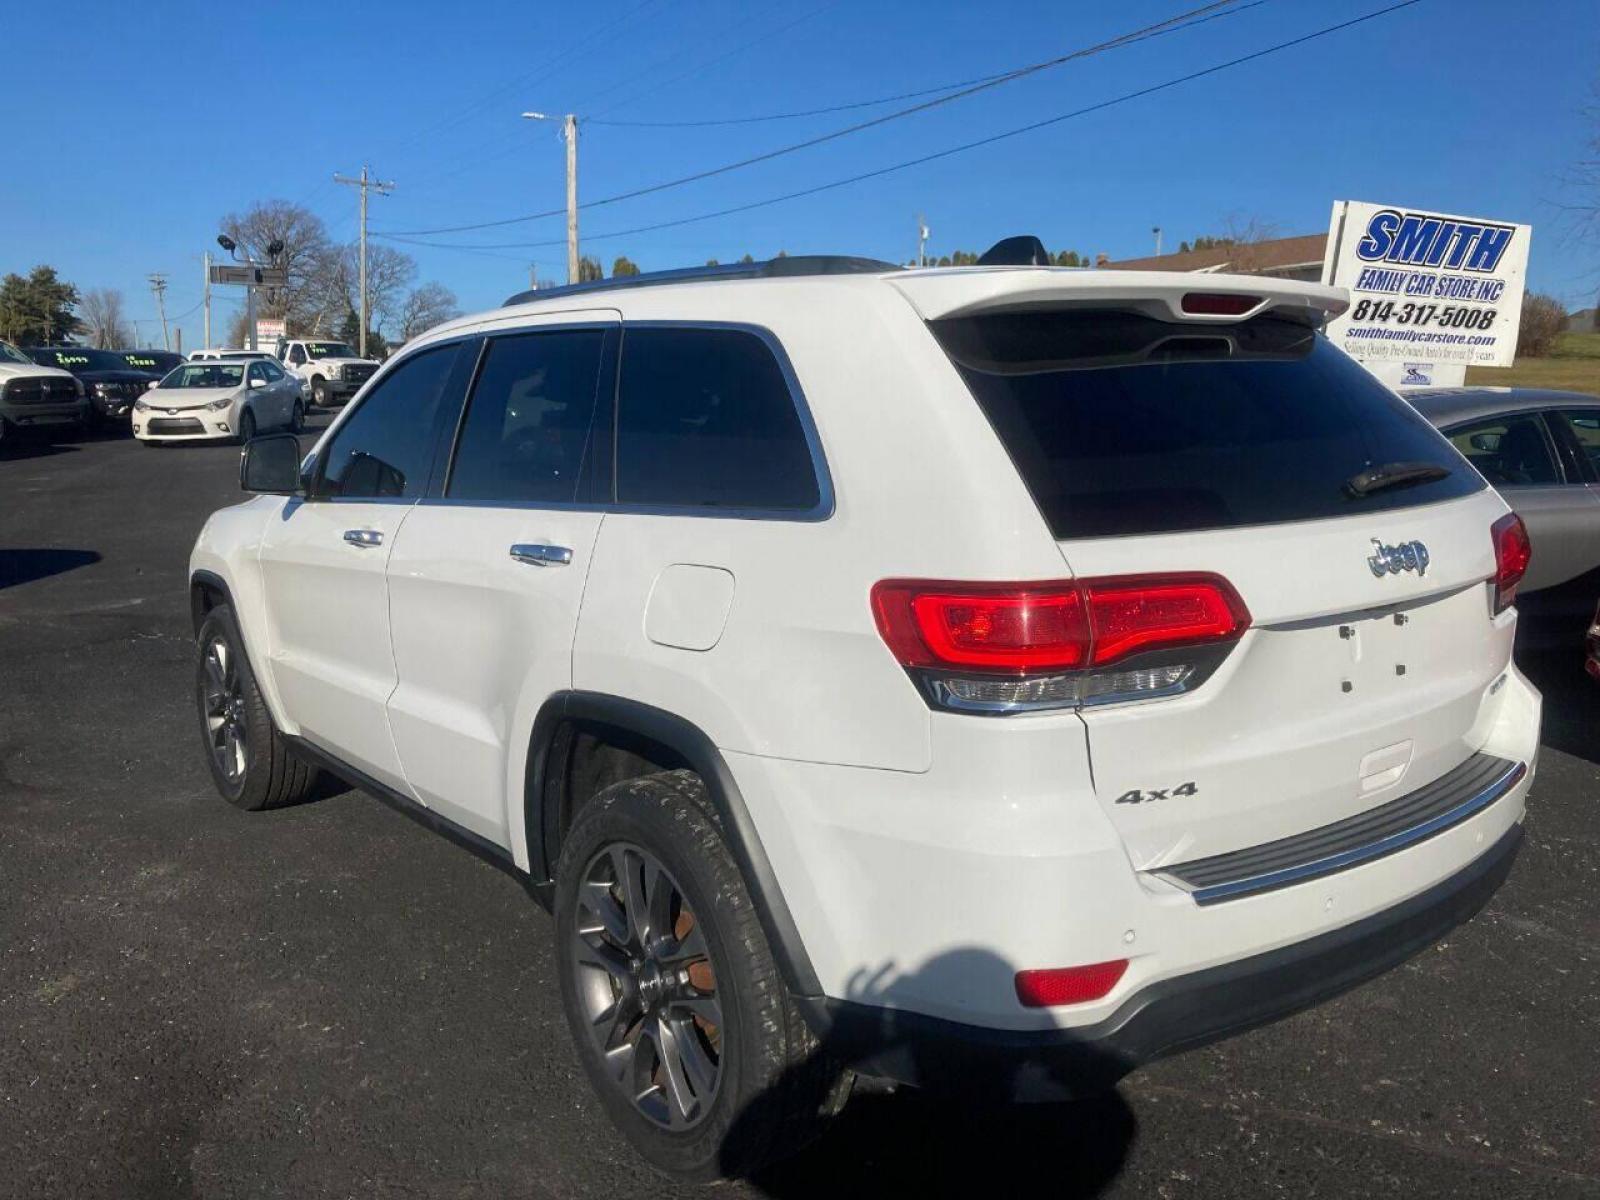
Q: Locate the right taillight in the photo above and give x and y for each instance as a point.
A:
(1512, 550)
(1007, 647)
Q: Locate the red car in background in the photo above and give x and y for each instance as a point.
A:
(1592, 663)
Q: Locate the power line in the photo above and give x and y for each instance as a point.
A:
(836, 108)
(952, 150)
(544, 70)
(1019, 73)
(710, 62)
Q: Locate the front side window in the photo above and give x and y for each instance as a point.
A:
(531, 418)
(1508, 451)
(271, 370)
(385, 448)
(258, 373)
(706, 419)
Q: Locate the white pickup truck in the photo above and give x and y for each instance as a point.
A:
(329, 372)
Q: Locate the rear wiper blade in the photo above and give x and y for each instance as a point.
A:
(1393, 475)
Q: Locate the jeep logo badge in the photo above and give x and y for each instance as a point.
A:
(1391, 560)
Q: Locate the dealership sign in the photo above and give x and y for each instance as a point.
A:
(1430, 293)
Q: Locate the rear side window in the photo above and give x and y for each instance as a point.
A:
(1121, 424)
(531, 418)
(1585, 426)
(1508, 451)
(706, 419)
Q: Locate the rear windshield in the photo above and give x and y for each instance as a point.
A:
(1123, 424)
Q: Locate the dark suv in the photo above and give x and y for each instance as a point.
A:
(157, 362)
(110, 383)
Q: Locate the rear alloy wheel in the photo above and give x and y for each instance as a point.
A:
(647, 986)
(682, 1021)
(251, 763)
(297, 418)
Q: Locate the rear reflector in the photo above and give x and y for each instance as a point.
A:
(1023, 628)
(1512, 552)
(1218, 304)
(1069, 985)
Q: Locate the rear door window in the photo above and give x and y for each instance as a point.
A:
(1509, 451)
(706, 419)
(1121, 424)
(1584, 425)
(531, 421)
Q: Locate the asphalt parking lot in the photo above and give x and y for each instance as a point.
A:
(331, 1001)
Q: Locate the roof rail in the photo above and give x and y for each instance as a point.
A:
(789, 266)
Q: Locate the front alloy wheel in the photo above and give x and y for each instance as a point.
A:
(647, 986)
(223, 709)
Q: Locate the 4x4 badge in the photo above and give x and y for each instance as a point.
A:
(1391, 560)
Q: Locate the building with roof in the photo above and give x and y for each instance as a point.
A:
(1285, 258)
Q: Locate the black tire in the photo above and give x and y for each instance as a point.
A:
(247, 426)
(271, 775)
(297, 418)
(775, 1088)
(319, 392)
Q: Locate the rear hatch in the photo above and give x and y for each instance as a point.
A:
(1234, 440)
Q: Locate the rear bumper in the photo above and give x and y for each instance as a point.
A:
(1168, 1016)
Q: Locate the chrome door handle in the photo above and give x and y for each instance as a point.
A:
(363, 537)
(542, 556)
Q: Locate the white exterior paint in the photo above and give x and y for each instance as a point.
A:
(900, 835)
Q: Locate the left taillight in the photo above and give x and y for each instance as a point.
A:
(1512, 553)
(1005, 647)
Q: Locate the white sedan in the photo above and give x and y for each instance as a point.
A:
(219, 399)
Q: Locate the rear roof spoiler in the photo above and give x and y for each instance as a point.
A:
(968, 291)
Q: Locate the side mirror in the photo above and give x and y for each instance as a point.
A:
(257, 383)
(271, 465)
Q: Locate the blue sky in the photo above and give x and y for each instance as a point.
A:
(164, 117)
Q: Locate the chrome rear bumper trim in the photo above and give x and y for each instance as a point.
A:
(1196, 877)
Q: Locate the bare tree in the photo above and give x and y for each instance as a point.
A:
(100, 310)
(1247, 233)
(426, 306)
(306, 253)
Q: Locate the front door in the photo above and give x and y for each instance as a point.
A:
(485, 580)
(322, 565)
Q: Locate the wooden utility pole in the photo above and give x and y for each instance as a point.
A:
(158, 287)
(571, 135)
(366, 183)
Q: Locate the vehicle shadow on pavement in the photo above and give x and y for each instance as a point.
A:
(1571, 700)
(14, 449)
(25, 566)
(967, 1137)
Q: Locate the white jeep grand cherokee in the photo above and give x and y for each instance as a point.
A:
(992, 677)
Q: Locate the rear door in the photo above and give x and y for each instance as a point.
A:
(322, 563)
(1154, 447)
(485, 578)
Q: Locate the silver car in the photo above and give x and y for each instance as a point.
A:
(1541, 451)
